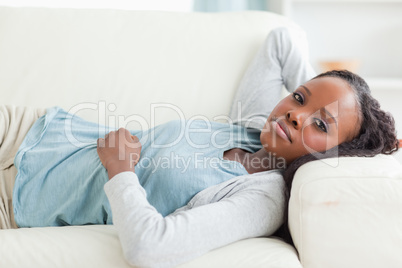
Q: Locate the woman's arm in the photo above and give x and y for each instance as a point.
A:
(281, 61)
(252, 208)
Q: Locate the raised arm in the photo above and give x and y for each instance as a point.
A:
(281, 61)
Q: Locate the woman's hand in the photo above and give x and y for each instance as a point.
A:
(119, 151)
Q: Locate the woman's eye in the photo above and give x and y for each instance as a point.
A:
(321, 125)
(298, 97)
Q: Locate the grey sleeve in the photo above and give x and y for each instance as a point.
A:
(282, 61)
(150, 240)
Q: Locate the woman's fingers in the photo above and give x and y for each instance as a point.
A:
(120, 136)
(129, 138)
(134, 138)
(101, 142)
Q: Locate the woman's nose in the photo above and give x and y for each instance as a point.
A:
(295, 119)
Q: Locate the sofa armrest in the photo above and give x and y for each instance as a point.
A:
(346, 212)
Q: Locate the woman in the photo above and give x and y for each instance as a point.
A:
(166, 216)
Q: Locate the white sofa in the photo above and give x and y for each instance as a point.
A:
(148, 67)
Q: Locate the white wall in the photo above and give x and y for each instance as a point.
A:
(368, 31)
(170, 5)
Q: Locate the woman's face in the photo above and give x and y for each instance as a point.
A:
(317, 116)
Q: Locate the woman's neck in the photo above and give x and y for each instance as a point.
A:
(254, 162)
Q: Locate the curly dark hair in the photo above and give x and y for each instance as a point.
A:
(377, 134)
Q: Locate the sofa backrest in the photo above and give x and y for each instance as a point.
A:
(103, 63)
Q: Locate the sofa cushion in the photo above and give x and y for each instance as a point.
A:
(99, 246)
(104, 63)
(343, 212)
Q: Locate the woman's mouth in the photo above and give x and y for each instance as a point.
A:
(281, 129)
